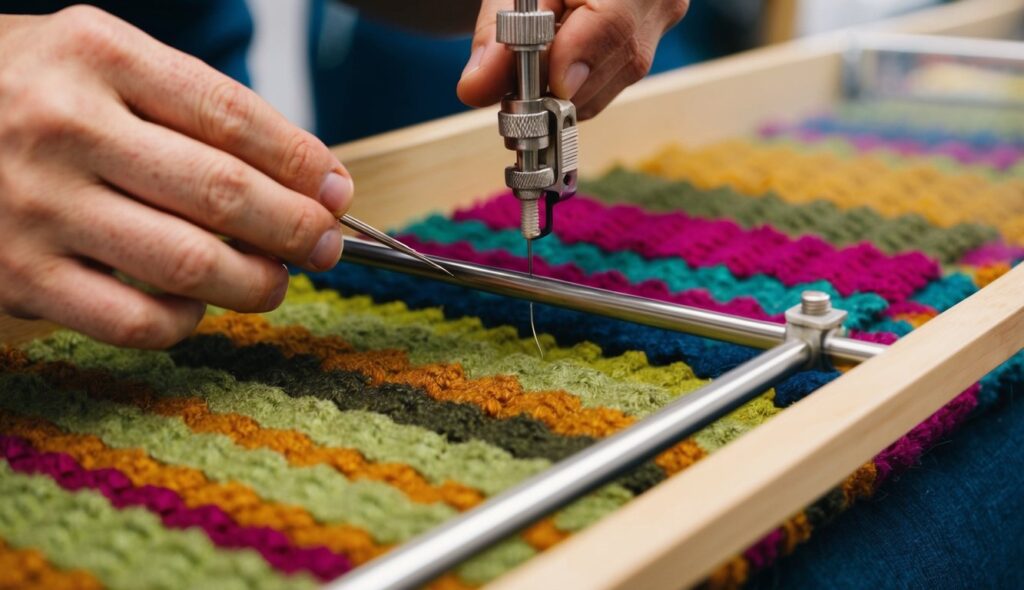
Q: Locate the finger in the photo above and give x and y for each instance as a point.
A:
(216, 191)
(591, 33)
(176, 90)
(606, 95)
(490, 72)
(104, 308)
(624, 67)
(171, 254)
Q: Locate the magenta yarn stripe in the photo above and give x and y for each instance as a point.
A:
(615, 281)
(895, 459)
(903, 453)
(700, 242)
(993, 252)
(224, 532)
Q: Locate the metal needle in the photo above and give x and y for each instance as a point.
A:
(383, 238)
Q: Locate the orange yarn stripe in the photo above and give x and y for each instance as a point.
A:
(239, 501)
(28, 569)
(498, 396)
(296, 447)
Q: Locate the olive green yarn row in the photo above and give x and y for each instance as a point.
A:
(839, 227)
(626, 382)
(474, 463)
(127, 548)
(331, 498)
(300, 375)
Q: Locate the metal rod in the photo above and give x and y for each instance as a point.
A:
(691, 320)
(430, 555)
(367, 229)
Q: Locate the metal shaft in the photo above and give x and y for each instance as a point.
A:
(650, 312)
(434, 553)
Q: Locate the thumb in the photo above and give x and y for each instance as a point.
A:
(490, 71)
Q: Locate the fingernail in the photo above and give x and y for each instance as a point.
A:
(277, 296)
(475, 59)
(328, 250)
(336, 193)
(575, 76)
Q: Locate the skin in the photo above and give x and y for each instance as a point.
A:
(600, 48)
(118, 153)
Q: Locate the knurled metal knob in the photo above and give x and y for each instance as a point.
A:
(517, 179)
(815, 302)
(523, 126)
(525, 29)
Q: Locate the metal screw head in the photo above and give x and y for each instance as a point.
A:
(815, 302)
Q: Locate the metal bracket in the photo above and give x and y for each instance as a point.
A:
(813, 321)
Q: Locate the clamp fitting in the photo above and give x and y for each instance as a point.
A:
(814, 321)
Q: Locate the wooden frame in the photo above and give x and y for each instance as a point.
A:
(678, 532)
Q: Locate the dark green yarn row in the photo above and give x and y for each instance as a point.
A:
(301, 375)
(838, 226)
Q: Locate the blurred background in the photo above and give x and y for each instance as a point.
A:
(316, 59)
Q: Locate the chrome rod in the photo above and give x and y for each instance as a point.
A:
(430, 555)
(650, 312)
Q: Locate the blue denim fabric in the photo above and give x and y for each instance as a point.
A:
(216, 31)
(955, 521)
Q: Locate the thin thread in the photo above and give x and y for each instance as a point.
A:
(533, 326)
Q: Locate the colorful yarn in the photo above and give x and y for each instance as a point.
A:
(944, 199)
(172, 510)
(28, 569)
(713, 287)
(124, 548)
(840, 227)
(293, 446)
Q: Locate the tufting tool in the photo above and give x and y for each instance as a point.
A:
(540, 128)
(379, 236)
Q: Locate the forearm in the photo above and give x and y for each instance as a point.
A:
(449, 17)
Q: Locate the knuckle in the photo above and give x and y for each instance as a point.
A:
(639, 58)
(137, 327)
(223, 193)
(191, 267)
(300, 164)
(303, 232)
(91, 32)
(40, 115)
(675, 10)
(226, 113)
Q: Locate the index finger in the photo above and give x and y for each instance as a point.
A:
(176, 90)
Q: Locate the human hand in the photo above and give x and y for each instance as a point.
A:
(601, 47)
(120, 153)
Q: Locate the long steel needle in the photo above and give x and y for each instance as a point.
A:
(529, 268)
(383, 238)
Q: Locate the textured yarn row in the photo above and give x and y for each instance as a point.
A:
(286, 449)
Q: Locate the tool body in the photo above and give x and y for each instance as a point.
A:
(541, 129)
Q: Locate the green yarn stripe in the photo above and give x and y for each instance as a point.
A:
(127, 548)
(838, 226)
(627, 383)
(331, 498)
(378, 438)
